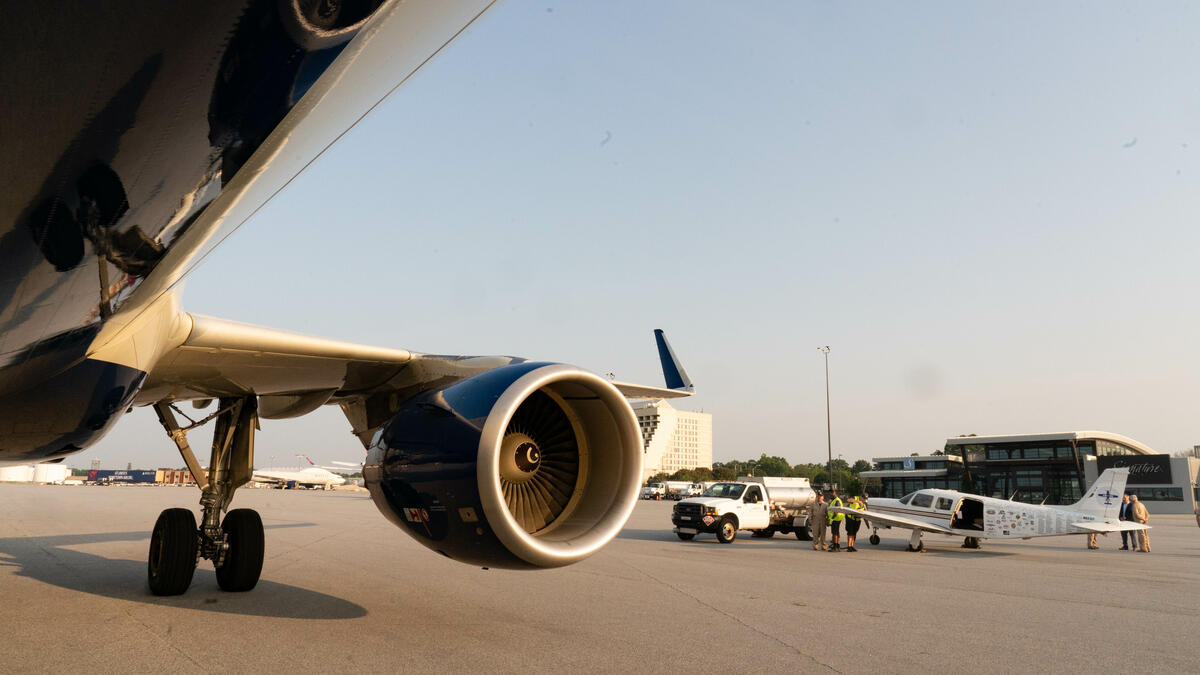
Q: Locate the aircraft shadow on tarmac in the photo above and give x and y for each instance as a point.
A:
(47, 560)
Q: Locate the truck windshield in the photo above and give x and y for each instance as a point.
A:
(729, 490)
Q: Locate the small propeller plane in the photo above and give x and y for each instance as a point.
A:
(974, 517)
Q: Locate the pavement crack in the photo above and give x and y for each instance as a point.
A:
(734, 617)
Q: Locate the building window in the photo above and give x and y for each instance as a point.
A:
(1157, 494)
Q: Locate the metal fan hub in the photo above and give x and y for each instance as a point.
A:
(520, 458)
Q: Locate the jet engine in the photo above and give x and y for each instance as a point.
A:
(526, 466)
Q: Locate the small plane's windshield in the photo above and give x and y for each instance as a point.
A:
(730, 490)
(907, 498)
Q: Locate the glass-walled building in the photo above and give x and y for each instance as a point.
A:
(1037, 468)
(1042, 468)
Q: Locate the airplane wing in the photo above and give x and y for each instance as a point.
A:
(893, 520)
(1104, 526)
(293, 374)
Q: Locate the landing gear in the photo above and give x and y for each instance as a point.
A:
(915, 545)
(243, 530)
(874, 539)
(172, 552)
(236, 546)
(971, 542)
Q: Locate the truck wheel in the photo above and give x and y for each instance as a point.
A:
(726, 530)
(874, 540)
(803, 534)
(686, 536)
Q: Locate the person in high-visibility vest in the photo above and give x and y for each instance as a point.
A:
(835, 523)
(852, 523)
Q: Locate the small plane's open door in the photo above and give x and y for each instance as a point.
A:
(968, 515)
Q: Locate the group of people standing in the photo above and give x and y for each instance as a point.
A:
(822, 519)
(1134, 510)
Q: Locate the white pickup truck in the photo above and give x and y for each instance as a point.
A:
(762, 505)
(654, 491)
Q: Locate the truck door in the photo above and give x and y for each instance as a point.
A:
(754, 513)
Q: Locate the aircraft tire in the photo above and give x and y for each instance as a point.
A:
(244, 560)
(874, 540)
(685, 536)
(172, 558)
(727, 530)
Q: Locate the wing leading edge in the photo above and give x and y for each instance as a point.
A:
(893, 520)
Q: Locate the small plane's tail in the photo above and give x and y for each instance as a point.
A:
(1103, 499)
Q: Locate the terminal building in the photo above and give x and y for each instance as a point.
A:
(1043, 468)
(673, 439)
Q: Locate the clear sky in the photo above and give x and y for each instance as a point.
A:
(987, 210)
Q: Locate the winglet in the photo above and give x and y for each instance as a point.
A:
(673, 371)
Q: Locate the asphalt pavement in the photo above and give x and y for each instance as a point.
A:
(343, 589)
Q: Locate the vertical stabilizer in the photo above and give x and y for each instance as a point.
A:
(1103, 499)
(673, 371)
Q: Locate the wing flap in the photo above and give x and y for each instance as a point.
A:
(1105, 526)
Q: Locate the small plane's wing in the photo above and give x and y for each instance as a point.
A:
(893, 520)
(1105, 526)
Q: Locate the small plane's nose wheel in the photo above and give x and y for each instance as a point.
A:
(874, 539)
(235, 545)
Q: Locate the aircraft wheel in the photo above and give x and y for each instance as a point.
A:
(726, 531)
(172, 559)
(244, 559)
(874, 540)
(686, 536)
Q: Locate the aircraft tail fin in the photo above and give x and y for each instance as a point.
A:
(1103, 498)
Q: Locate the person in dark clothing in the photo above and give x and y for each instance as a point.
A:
(1124, 514)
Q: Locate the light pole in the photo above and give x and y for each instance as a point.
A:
(828, 427)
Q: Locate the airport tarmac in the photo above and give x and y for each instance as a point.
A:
(343, 589)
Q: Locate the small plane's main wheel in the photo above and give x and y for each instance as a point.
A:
(874, 540)
(726, 531)
(244, 559)
(971, 542)
(686, 536)
(803, 534)
(173, 545)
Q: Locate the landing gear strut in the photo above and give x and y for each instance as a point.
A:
(235, 545)
(915, 545)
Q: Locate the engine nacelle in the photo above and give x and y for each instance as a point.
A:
(526, 466)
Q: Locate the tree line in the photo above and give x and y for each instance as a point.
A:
(845, 475)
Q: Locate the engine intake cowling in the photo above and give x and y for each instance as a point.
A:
(529, 465)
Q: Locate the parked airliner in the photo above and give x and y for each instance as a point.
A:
(137, 136)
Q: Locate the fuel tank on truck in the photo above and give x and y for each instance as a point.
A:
(785, 492)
